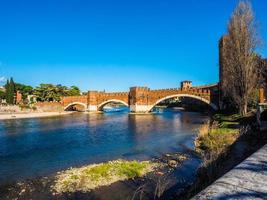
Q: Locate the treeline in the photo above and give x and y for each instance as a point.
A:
(43, 92)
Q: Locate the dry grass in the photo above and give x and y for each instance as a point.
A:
(92, 176)
(214, 140)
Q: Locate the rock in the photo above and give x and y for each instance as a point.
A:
(182, 157)
(21, 192)
(160, 173)
(172, 163)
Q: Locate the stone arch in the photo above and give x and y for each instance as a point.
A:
(101, 105)
(212, 105)
(75, 103)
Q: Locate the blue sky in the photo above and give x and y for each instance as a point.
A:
(116, 44)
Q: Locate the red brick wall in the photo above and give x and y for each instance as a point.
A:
(18, 97)
(49, 106)
(71, 99)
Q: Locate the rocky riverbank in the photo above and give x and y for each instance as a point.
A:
(155, 178)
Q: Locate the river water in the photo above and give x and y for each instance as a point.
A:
(32, 148)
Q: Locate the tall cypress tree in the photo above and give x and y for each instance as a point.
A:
(7, 86)
(12, 91)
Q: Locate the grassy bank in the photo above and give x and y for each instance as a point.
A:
(216, 136)
(92, 176)
(223, 143)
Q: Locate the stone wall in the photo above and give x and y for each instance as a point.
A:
(9, 108)
(49, 107)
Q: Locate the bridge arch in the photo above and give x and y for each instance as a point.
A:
(75, 103)
(212, 105)
(101, 105)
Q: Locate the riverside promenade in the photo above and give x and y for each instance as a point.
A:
(248, 180)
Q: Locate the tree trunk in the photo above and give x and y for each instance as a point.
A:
(243, 108)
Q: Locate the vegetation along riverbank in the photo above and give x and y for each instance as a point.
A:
(223, 143)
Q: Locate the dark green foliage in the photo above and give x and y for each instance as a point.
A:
(7, 90)
(10, 91)
(74, 91)
(2, 95)
(50, 92)
(25, 90)
(44, 92)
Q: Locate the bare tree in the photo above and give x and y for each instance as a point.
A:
(241, 71)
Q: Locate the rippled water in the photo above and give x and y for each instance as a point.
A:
(37, 147)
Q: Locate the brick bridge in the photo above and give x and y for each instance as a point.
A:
(143, 99)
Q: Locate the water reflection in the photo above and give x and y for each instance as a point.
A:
(37, 147)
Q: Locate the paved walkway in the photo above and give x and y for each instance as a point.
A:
(248, 180)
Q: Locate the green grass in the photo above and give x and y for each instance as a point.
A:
(222, 117)
(215, 140)
(96, 175)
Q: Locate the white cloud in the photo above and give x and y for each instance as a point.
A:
(2, 79)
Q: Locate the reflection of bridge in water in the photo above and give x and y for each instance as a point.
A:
(143, 99)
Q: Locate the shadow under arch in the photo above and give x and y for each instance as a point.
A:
(70, 106)
(212, 105)
(101, 105)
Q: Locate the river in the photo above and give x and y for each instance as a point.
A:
(37, 147)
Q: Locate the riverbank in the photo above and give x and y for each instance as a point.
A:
(119, 179)
(5, 116)
(221, 154)
(247, 180)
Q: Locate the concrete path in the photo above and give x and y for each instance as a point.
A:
(248, 180)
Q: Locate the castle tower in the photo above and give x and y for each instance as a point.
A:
(186, 85)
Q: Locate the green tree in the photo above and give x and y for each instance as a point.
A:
(2, 95)
(7, 86)
(25, 90)
(11, 91)
(47, 92)
(74, 91)
(50, 92)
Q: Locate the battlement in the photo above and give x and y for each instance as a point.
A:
(140, 88)
(164, 90)
(114, 93)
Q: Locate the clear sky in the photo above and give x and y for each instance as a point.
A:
(115, 44)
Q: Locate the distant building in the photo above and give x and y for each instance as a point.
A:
(263, 66)
(18, 97)
(222, 65)
(2, 88)
(31, 98)
(3, 102)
